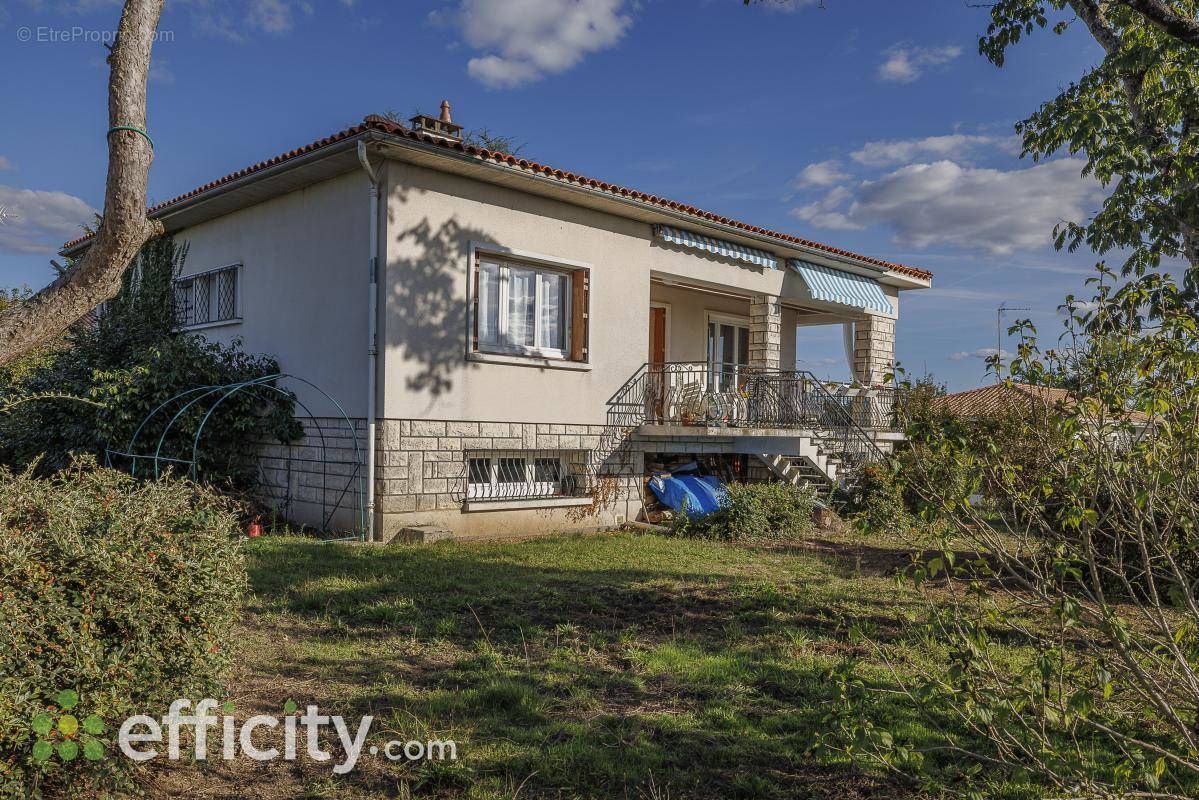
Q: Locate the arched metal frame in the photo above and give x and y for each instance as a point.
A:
(223, 393)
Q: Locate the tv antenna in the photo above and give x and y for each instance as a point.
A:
(999, 312)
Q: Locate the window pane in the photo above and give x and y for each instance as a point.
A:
(547, 470)
(743, 346)
(552, 287)
(226, 300)
(489, 303)
(522, 294)
(511, 470)
(480, 470)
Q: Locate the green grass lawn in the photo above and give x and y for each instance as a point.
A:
(607, 665)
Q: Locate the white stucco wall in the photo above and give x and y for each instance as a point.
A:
(303, 284)
(432, 219)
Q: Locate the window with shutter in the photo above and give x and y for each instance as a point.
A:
(530, 309)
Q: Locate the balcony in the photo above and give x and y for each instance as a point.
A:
(729, 396)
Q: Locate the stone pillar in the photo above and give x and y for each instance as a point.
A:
(765, 331)
(873, 348)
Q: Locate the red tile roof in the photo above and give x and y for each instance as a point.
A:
(378, 123)
(1004, 397)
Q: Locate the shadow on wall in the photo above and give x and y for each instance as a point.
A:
(426, 300)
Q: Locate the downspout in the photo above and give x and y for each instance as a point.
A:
(372, 345)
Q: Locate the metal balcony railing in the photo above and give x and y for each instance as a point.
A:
(741, 397)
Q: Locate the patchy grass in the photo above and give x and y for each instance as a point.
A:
(616, 665)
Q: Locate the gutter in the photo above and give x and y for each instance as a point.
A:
(372, 346)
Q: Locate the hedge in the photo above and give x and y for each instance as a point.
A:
(115, 598)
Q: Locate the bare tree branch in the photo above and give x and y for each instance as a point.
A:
(124, 228)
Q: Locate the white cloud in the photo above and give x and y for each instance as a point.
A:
(236, 21)
(522, 41)
(822, 173)
(957, 146)
(981, 353)
(160, 72)
(39, 222)
(905, 63)
(823, 213)
(5, 163)
(991, 210)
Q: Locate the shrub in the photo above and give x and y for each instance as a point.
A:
(125, 363)
(115, 598)
(877, 501)
(753, 510)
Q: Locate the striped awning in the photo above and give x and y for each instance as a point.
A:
(846, 288)
(718, 246)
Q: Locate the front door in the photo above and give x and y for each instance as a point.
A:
(657, 335)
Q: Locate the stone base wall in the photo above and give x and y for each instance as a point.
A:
(421, 475)
(320, 479)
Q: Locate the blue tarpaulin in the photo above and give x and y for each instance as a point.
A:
(697, 494)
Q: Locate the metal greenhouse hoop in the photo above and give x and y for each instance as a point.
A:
(221, 393)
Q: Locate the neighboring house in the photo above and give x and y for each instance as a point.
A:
(524, 340)
(1013, 397)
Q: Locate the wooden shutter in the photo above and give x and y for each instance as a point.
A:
(580, 303)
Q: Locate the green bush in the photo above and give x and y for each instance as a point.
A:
(125, 364)
(877, 502)
(751, 511)
(116, 597)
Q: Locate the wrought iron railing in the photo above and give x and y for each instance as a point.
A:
(741, 397)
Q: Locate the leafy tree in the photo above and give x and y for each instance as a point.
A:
(1092, 562)
(1134, 117)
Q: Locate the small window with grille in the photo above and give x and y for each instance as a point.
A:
(524, 474)
(208, 298)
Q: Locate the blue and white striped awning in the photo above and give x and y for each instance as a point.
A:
(846, 288)
(718, 246)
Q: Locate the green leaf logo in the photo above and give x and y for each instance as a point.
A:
(68, 750)
(68, 725)
(42, 724)
(227, 706)
(289, 707)
(93, 725)
(93, 750)
(42, 750)
(67, 698)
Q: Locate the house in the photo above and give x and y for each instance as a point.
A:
(520, 343)
(1013, 397)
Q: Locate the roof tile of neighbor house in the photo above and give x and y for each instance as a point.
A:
(377, 123)
(1003, 397)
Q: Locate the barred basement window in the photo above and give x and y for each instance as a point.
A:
(524, 475)
(208, 297)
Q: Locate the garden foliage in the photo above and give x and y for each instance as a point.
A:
(757, 510)
(116, 597)
(91, 391)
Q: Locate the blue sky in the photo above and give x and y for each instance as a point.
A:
(872, 125)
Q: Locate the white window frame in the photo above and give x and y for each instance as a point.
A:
(529, 487)
(737, 321)
(191, 279)
(480, 253)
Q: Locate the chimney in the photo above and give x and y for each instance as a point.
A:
(442, 127)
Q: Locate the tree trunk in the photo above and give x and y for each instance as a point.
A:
(96, 276)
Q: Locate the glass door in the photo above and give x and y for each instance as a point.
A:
(728, 353)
